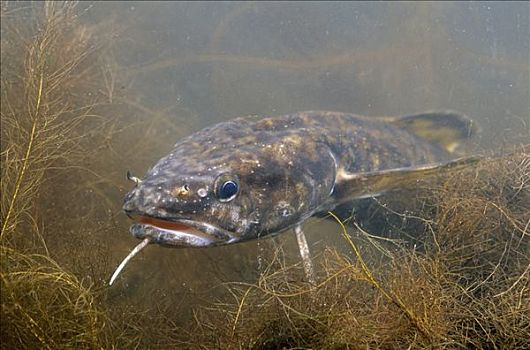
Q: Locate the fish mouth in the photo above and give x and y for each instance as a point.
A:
(180, 233)
(173, 233)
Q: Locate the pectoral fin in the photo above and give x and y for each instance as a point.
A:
(351, 186)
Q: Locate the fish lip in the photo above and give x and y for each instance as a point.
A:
(198, 234)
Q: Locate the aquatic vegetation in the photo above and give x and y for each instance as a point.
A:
(58, 130)
(45, 75)
(45, 307)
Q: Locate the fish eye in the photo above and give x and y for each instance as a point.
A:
(227, 188)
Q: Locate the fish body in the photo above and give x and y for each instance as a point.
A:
(252, 177)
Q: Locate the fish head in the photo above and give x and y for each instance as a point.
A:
(205, 194)
(178, 205)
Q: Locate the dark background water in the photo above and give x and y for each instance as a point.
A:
(221, 60)
(185, 65)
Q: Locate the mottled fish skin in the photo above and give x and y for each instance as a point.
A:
(288, 169)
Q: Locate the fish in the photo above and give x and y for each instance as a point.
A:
(256, 177)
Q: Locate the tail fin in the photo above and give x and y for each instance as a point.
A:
(447, 128)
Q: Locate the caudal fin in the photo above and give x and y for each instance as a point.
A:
(447, 128)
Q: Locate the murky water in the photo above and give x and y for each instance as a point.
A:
(195, 64)
(178, 67)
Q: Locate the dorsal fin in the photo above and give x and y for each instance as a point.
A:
(446, 128)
